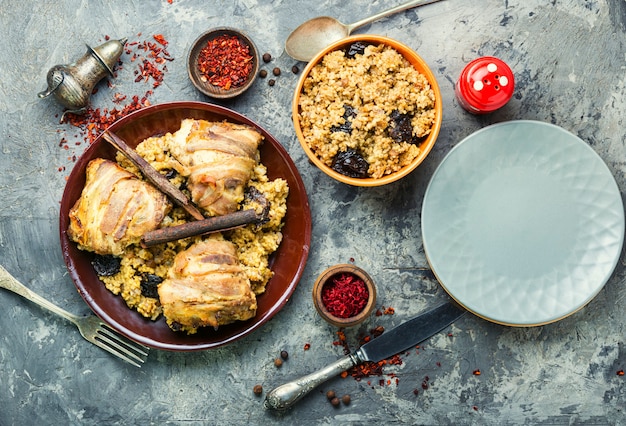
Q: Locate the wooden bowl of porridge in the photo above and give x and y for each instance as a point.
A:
(367, 110)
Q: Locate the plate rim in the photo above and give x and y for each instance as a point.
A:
(583, 145)
(258, 321)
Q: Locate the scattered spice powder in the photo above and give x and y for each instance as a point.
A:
(345, 295)
(95, 120)
(385, 311)
(307, 346)
(152, 57)
(156, 55)
(368, 369)
(225, 62)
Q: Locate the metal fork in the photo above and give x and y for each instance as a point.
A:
(90, 326)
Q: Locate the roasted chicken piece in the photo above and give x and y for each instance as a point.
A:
(206, 286)
(218, 159)
(115, 209)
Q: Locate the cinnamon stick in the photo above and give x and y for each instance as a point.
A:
(153, 176)
(201, 227)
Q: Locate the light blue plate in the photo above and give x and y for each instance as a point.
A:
(522, 223)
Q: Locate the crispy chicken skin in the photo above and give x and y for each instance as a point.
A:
(115, 209)
(206, 286)
(218, 159)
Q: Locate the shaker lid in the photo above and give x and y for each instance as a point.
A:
(108, 53)
(487, 83)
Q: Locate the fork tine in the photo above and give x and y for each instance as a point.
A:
(115, 352)
(121, 346)
(125, 350)
(133, 346)
(114, 348)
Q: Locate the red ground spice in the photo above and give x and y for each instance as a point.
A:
(620, 372)
(345, 295)
(225, 62)
(385, 311)
(369, 369)
(152, 57)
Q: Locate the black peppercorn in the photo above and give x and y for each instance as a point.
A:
(263, 73)
(276, 71)
(295, 69)
(346, 399)
(284, 355)
(258, 389)
(271, 82)
(335, 402)
(267, 57)
(330, 394)
(278, 362)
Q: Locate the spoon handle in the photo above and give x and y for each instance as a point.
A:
(400, 8)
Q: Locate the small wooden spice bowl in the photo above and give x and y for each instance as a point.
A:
(327, 278)
(200, 81)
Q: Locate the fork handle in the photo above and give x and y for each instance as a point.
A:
(9, 282)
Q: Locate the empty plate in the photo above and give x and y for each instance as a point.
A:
(523, 223)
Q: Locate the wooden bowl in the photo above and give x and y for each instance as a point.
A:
(196, 76)
(325, 277)
(426, 145)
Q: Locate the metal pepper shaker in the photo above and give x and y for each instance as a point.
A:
(73, 84)
(485, 84)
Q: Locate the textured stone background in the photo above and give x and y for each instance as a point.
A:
(569, 58)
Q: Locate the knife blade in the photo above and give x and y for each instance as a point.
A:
(396, 340)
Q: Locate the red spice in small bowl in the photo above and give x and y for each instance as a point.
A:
(223, 62)
(344, 295)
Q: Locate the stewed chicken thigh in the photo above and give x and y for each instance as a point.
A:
(115, 209)
(206, 286)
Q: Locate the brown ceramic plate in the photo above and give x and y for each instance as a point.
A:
(287, 262)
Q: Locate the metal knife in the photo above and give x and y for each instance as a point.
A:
(394, 341)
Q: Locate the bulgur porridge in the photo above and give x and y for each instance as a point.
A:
(138, 272)
(365, 110)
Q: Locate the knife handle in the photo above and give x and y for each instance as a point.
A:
(285, 396)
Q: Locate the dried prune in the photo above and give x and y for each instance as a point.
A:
(150, 284)
(106, 265)
(356, 49)
(400, 129)
(350, 163)
(348, 114)
(171, 174)
(253, 195)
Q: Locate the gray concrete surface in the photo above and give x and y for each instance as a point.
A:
(569, 58)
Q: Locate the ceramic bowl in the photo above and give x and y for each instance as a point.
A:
(196, 76)
(426, 145)
(287, 263)
(326, 277)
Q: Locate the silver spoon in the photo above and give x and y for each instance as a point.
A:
(314, 35)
